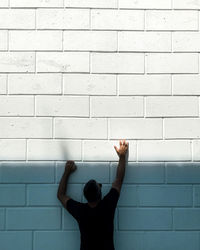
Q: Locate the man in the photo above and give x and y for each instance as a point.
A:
(95, 218)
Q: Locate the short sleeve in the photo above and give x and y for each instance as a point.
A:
(73, 207)
(112, 198)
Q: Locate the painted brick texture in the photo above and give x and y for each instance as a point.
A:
(76, 77)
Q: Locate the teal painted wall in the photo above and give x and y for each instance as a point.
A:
(158, 209)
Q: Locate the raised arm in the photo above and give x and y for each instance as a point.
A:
(121, 166)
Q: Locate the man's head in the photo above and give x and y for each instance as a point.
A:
(92, 191)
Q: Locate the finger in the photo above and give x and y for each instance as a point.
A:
(120, 142)
(115, 148)
(124, 142)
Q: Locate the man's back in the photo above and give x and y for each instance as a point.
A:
(96, 224)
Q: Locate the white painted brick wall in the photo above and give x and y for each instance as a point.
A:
(171, 20)
(172, 63)
(185, 4)
(35, 84)
(145, 4)
(90, 40)
(17, 62)
(117, 62)
(77, 76)
(186, 84)
(62, 19)
(117, 19)
(35, 40)
(36, 3)
(17, 19)
(186, 41)
(144, 41)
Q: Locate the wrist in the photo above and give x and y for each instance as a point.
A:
(67, 172)
(122, 156)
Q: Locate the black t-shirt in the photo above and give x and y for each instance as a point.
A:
(96, 224)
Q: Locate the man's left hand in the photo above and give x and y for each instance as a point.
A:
(70, 167)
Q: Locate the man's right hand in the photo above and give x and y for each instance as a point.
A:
(123, 148)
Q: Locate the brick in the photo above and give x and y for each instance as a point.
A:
(92, 128)
(3, 84)
(135, 128)
(172, 63)
(145, 219)
(128, 195)
(53, 149)
(184, 4)
(25, 127)
(85, 171)
(171, 106)
(196, 150)
(186, 41)
(91, 3)
(12, 149)
(12, 195)
(187, 173)
(186, 218)
(153, 240)
(4, 3)
(93, 147)
(90, 40)
(17, 19)
(182, 128)
(186, 84)
(145, 4)
(36, 3)
(144, 41)
(197, 195)
(162, 195)
(16, 106)
(171, 240)
(2, 218)
(62, 19)
(26, 172)
(46, 194)
(126, 106)
(17, 62)
(35, 40)
(160, 150)
(21, 240)
(117, 19)
(117, 63)
(140, 173)
(59, 106)
(89, 84)
(35, 83)
(144, 84)
(3, 40)
(33, 218)
(128, 239)
(56, 239)
(171, 20)
(62, 62)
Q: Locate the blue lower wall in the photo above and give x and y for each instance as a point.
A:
(158, 209)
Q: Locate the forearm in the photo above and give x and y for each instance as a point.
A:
(121, 168)
(63, 184)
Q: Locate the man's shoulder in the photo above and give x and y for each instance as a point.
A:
(113, 192)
